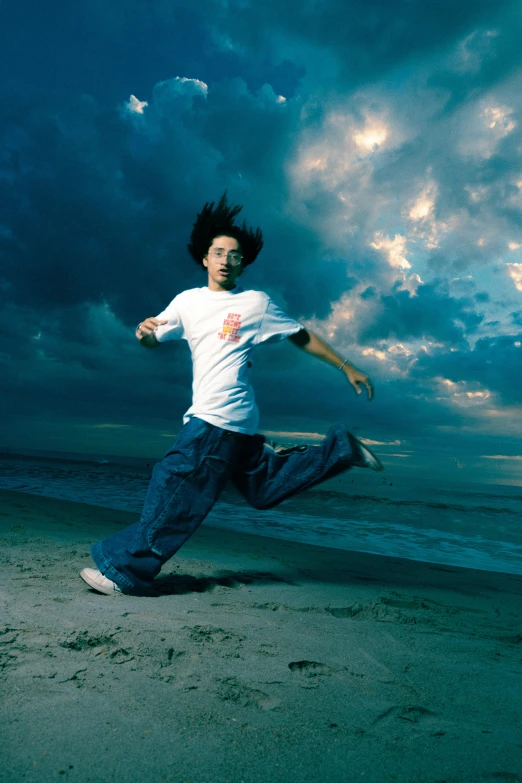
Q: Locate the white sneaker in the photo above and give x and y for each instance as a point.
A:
(99, 582)
(365, 458)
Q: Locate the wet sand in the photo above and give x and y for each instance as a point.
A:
(260, 661)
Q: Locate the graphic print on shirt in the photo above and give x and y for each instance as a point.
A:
(231, 327)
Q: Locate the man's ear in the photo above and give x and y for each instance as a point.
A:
(205, 261)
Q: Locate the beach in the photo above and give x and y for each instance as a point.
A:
(261, 659)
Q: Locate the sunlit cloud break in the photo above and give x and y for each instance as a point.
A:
(515, 273)
(501, 456)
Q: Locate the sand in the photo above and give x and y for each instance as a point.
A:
(262, 660)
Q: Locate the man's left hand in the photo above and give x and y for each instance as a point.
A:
(358, 380)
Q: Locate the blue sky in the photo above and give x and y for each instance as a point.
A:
(378, 146)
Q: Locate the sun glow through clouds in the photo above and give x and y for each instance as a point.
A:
(371, 138)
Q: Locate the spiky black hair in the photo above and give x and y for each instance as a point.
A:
(219, 221)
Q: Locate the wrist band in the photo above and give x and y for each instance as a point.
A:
(342, 365)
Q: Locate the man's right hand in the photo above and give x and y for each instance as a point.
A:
(148, 326)
(145, 332)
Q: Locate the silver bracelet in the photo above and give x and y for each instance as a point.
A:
(342, 365)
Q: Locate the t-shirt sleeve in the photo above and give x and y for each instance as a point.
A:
(276, 325)
(173, 329)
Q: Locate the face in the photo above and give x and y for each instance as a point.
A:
(222, 273)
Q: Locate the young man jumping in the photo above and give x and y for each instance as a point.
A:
(223, 324)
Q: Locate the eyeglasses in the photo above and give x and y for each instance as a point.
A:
(233, 256)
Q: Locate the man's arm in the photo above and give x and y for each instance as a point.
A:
(145, 332)
(314, 345)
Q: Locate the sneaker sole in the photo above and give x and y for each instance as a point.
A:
(370, 458)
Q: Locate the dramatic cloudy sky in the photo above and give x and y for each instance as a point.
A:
(378, 144)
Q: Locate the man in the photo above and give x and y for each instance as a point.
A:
(223, 324)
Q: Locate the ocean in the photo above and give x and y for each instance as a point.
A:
(469, 525)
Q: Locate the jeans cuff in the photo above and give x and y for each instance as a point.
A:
(108, 569)
(343, 438)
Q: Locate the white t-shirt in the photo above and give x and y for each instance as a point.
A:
(222, 328)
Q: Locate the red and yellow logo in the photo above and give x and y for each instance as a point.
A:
(231, 327)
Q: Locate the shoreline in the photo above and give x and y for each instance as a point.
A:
(391, 537)
(91, 514)
(262, 659)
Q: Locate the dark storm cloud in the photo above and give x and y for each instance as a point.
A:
(82, 364)
(485, 63)
(102, 203)
(110, 50)
(353, 42)
(104, 49)
(431, 314)
(494, 364)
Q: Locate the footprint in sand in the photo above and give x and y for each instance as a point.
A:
(231, 689)
(396, 610)
(84, 641)
(210, 635)
(310, 668)
(412, 714)
(312, 671)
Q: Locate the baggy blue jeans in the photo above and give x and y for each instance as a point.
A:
(187, 482)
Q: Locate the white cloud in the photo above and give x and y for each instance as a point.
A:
(424, 206)
(515, 273)
(461, 393)
(474, 395)
(446, 382)
(292, 436)
(399, 349)
(135, 105)
(411, 283)
(382, 442)
(499, 118)
(421, 213)
(394, 249)
(169, 91)
(380, 355)
(198, 85)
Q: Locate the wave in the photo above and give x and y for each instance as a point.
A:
(340, 498)
(436, 505)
